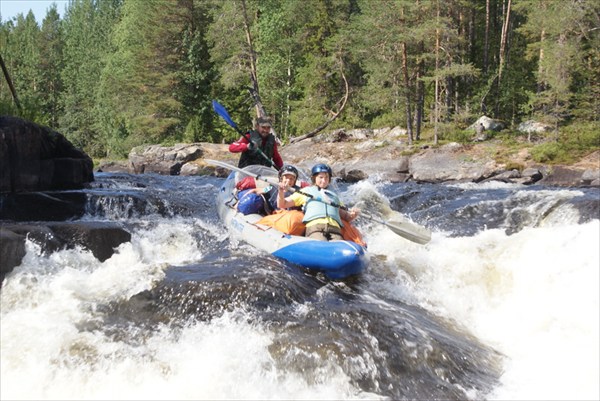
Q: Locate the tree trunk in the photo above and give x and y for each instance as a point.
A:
(420, 101)
(437, 80)
(420, 92)
(10, 84)
(288, 100)
(253, 72)
(486, 44)
(449, 98)
(502, 53)
(541, 84)
(472, 35)
(409, 128)
(503, 40)
(420, 104)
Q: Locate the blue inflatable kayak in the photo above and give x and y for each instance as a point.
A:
(335, 259)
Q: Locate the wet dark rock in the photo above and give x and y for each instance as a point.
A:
(562, 176)
(36, 158)
(42, 206)
(353, 176)
(12, 251)
(113, 167)
(591, 177)
(99, 237)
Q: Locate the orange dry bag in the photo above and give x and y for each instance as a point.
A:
(286, 221)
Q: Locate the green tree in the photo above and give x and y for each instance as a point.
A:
(22, 58)
(232, 57)
(51, 63)
(325, 63)
(196, 75)
(87, 26)
(560, 36)
(8, 105)
(156, 86)
(381, 35)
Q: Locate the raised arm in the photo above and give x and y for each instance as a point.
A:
(282, 202)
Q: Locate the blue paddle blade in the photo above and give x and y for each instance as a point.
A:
(220, 110)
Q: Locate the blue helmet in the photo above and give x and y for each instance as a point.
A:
(321, 168)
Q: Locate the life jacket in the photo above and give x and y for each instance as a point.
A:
(250, 158)
(314, 209)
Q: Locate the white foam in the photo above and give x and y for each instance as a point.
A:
(534, 296)
(45, 354)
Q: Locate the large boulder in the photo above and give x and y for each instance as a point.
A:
(489, 124)
(533, 127)
(98, 237)
(170, 160)
(36, 158)
(448, 163)
(566, 176)
(162, 160)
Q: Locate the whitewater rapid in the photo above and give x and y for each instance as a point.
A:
(533, 296)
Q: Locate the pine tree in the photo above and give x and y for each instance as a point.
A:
(196, 75)
(86, 29)
(559, 33)
(22, 58)
(51, 63)
(147, 78)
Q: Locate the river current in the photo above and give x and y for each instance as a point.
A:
(503, 303)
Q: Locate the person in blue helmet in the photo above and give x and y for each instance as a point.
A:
(322, 218)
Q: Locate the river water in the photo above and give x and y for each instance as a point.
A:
(503, 303)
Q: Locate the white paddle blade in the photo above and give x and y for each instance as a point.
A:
(409, 230)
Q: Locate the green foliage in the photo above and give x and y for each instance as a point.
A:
(86, 27)
(584, 135)
(388, 120)
(548, 152)
(114, 74)
(574, 141)
(458, 135)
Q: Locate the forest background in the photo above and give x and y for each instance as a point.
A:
(114, 74)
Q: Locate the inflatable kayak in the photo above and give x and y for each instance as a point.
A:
(335, 259)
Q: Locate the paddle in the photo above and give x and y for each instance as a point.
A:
(402, 226)
(220, 110)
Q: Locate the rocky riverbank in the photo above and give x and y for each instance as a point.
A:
(358, 154)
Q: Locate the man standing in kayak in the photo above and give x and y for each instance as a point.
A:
(258, 146)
